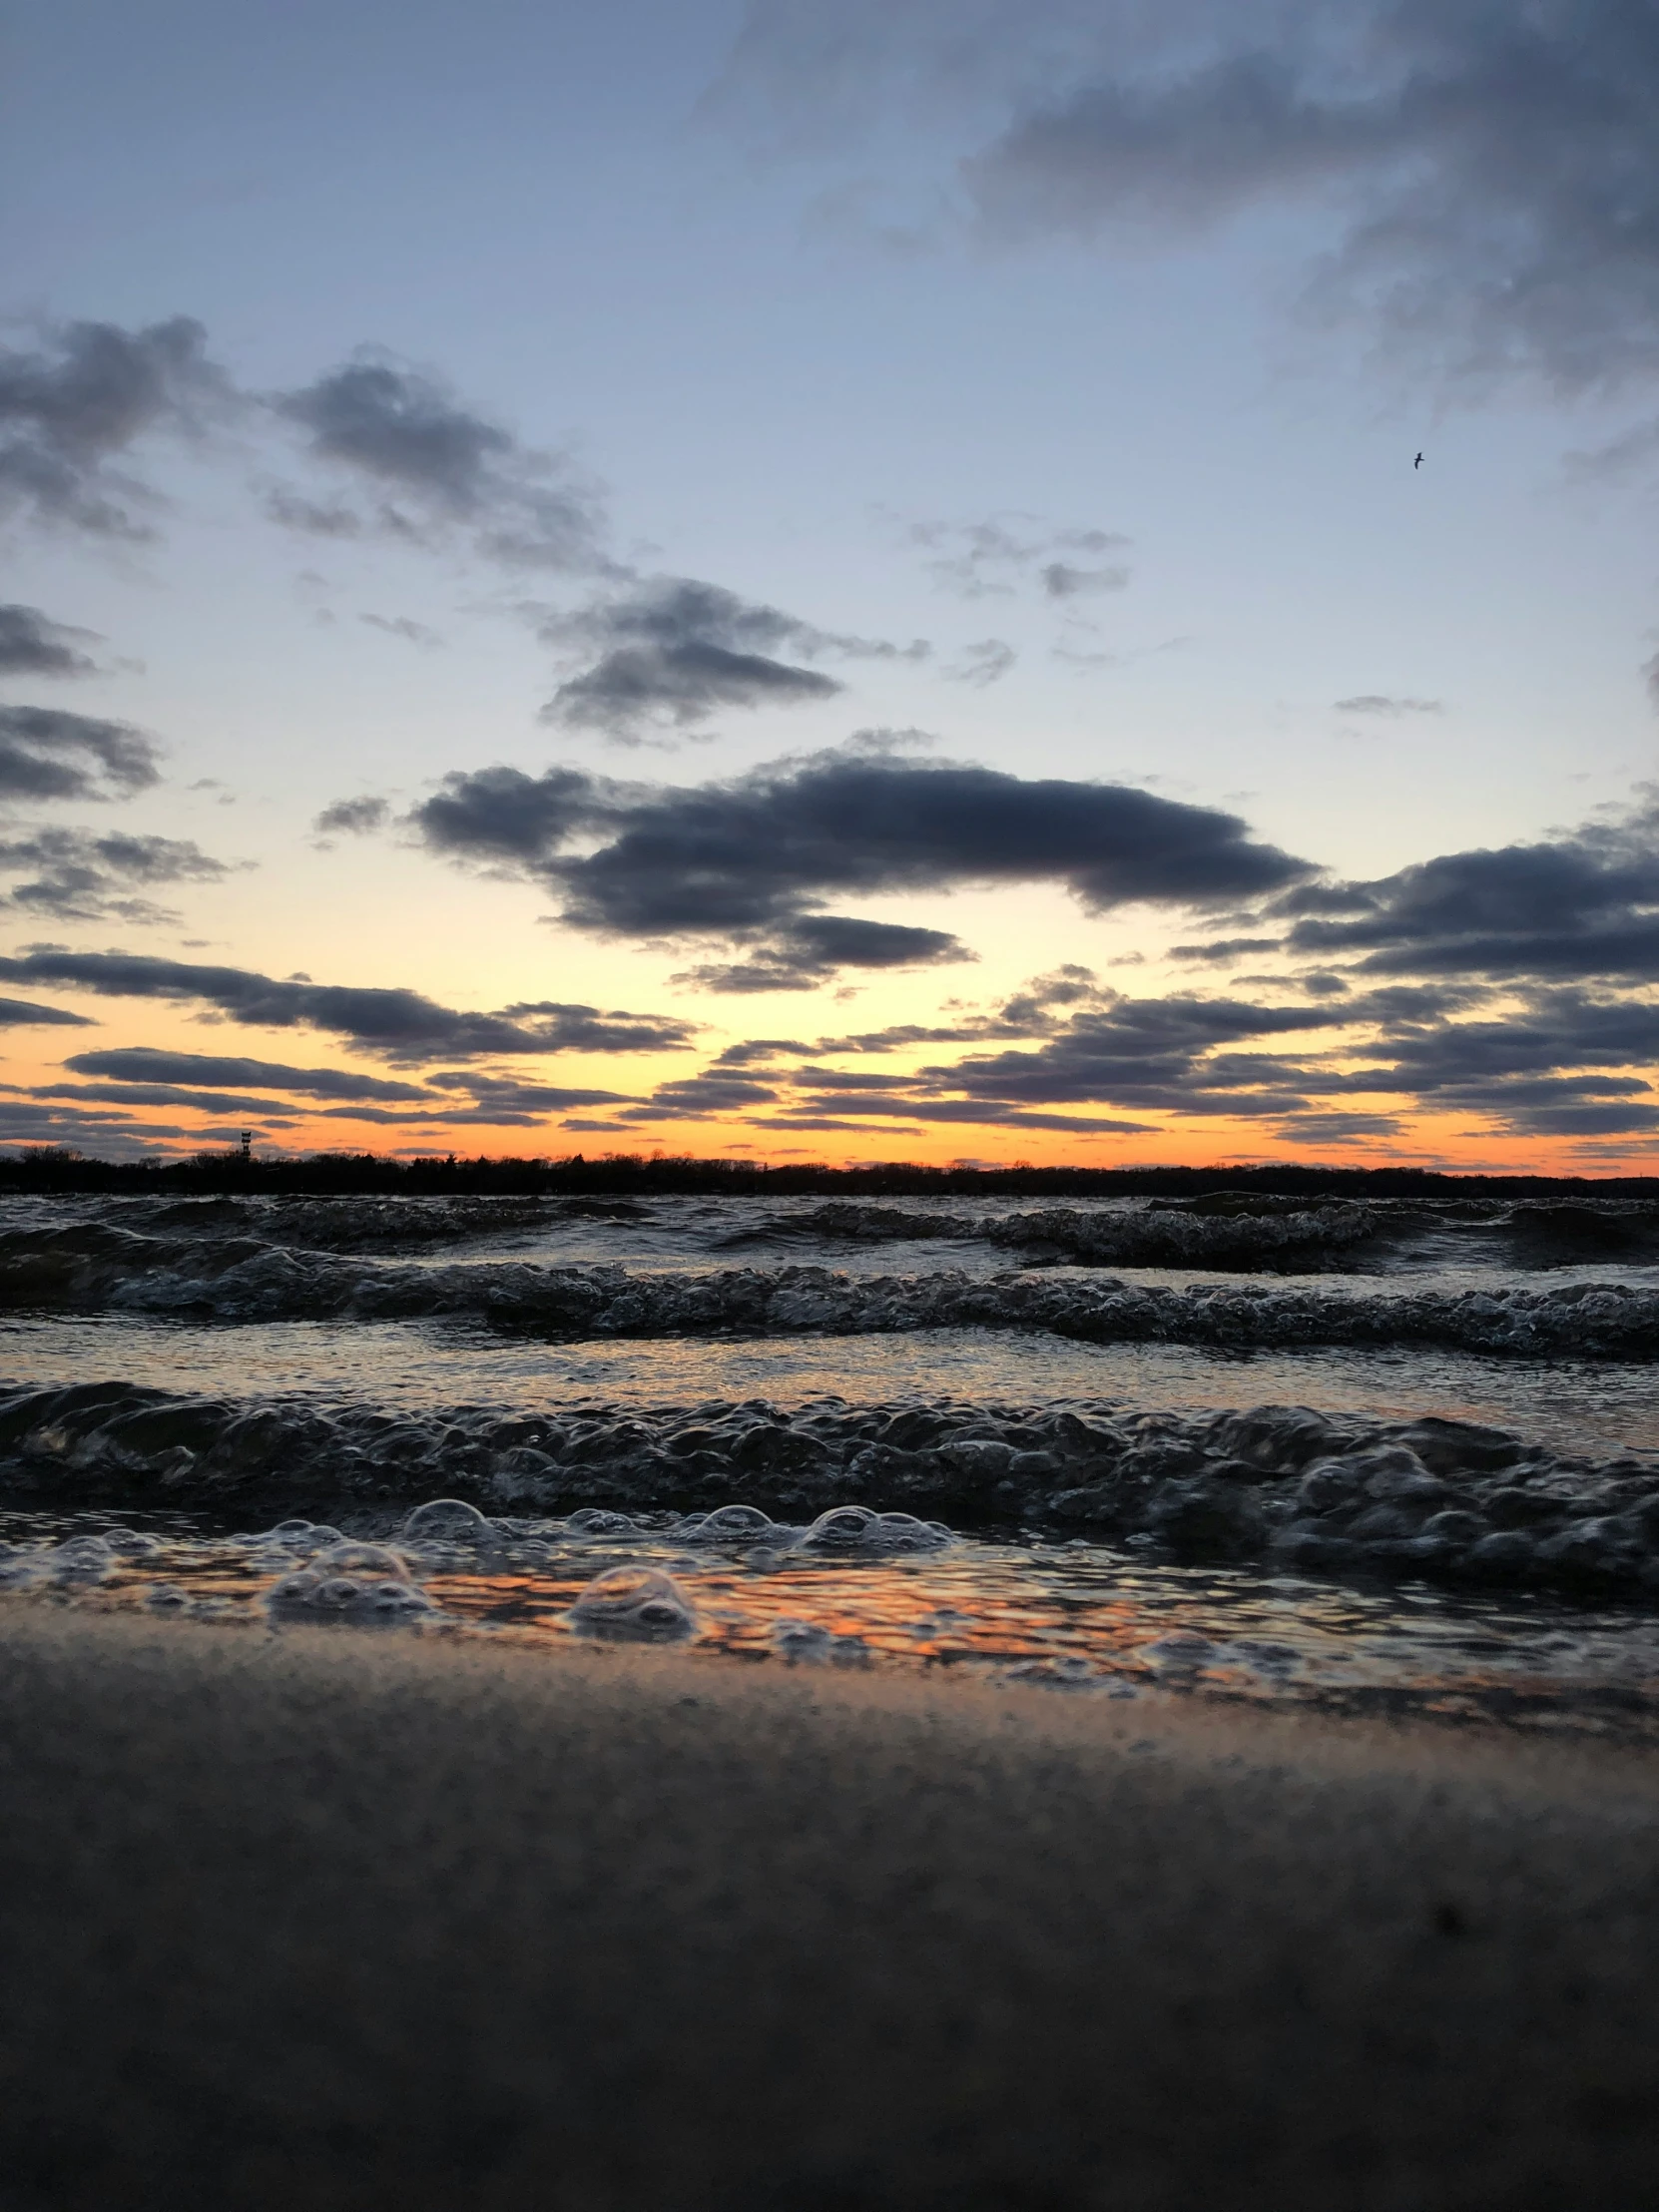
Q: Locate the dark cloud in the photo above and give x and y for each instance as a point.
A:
(73, 877)
(19, 1013)
(355, 817)
(1220, 949)
(200, 1083)
(759, 1049)
(1339, 1128)
(85, 394)
(1583, 904)
(1379, 703)
(48, 753)
(217, 1071)
(107, 1136)
(1143, 1053)
(810, 952)
(752, 861)
(974, 1113)
(588, 1029)
(169, 1094)
(672, 651)
(502, 819)
(434, 465)
(397, 1026)
(507, 1094)
(1494, 168)
(31, 644)
(1065, 580)
(699, 1095)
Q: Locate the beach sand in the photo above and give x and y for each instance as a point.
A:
(336, 1920)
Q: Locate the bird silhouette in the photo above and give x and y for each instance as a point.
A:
(1418, 464)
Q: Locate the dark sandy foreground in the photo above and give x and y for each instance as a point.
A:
(319, 1922)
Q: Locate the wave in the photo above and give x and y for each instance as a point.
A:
(1232, 1231)
(1248, 1232)
(1289, 1486)
(1265, 1237)
(92, 1267)
(357, 1224)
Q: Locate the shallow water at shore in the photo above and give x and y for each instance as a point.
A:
(1086, 1618)
(1446, 1500)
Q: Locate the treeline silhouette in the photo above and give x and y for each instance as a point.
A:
(49, 1168)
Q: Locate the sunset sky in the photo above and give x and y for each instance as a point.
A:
(837, 580)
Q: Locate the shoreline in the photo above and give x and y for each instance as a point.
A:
(313, 1920)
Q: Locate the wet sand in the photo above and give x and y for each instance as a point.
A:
(330, 1920)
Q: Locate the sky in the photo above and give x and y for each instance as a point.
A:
(846, 580)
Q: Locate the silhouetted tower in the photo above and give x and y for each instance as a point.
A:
(247, 1147)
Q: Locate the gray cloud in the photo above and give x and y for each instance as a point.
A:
(502, 1093)
(974, 1113)
(1142, 1053)
(355, 817)
(753, 862)
(672, 651)
(434, 465)
(818, 946)
(216, 1071)
(69, 875)
(1580, 905)
(498, 1107)
(1495, 169)
(1563, 1062)
(1379, 703)
(1005, 553)
(85, 394)
(1065, 580)
(397, 1026)
(109, 1136)
(48, 753)
(984, 663)
(31, 644)
(19, 1013)
(405, 627)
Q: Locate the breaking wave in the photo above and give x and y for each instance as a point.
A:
(93, 1267)
(1246, 1231)
(1448, 1500)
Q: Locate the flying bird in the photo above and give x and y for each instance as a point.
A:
(1418, 464)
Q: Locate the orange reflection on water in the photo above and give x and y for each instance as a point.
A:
(1073, 1613)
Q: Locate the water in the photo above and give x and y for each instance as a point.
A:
(1449, 1507)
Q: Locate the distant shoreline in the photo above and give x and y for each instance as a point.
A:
(45, 1171)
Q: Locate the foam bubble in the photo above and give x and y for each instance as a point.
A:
(856, 1530)
(805, 1643)
(595, 1521)
(303, 1536)
(448, 1521)
(635, 1605)
(82, 1558)
(376, 1561)
(314, 1593)
(732, 1524)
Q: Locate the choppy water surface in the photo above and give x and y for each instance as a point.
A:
(1446, 1500)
